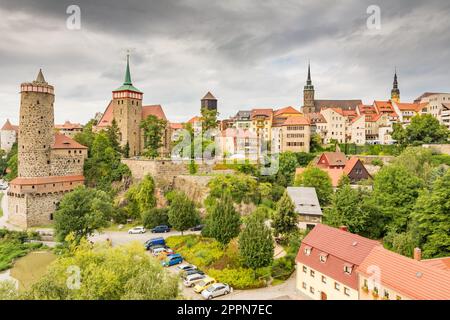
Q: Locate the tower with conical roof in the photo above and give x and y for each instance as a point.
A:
(127, 112)
(36, 123)
(308, 94)
(395, 92)
(209, 102)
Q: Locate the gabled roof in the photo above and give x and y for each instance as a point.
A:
(415, 279)
(155, 110)
(194, 119)
(305, 200)
(286, 110)
(411, 106)
(426, 95)
(209, 96)
(316, 117)
(342, 104)
(335, 158)
(262, 112)
(296, 120)
(9, 127)
(176, 126)
(64, 142)
(440, 263)
(350, 164)
(107, 116)
(343, 248)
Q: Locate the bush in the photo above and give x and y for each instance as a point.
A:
(239, 278)
(282, 268)
(377, 162)
(155, 217)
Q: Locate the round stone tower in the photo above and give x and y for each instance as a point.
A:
(36, 132)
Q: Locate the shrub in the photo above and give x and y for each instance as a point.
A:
(239, 278)
(154, 217)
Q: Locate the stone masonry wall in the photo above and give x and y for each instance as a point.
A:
(195, 187)
(67, 162)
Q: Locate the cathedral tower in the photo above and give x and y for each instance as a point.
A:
(395, 92)
(308, 94)
(209, 102)
(127, 111)
(36, 123)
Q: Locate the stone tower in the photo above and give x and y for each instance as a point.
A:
(36, 135)
(395, 92)
(308, 94)
(209, 102)
(127, 111)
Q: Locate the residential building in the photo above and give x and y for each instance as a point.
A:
(295, 134)
(438, 106)
(262, 126)
(406, 111)
(336, 125)
(327, 261)
(242, 119)
(386, 275)
(236, 144)
(69, 129)
(49, 164)
(127, 110)
(8, 136)
(307, 206)
(357, 130)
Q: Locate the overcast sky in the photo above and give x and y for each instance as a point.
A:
(247, 53)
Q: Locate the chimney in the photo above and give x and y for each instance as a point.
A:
(417, 254)
(343, 228)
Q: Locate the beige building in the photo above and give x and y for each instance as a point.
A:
(357, 128)
(295, 134)
(49, 164)
(438, 106)
(336, 125)
(69, 129)
(8, 136)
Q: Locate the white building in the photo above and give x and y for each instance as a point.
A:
(8, 135)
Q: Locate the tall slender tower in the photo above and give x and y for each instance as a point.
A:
(36, 123)
(209, 102)
(395, 92)
(308, 94)
(127, 111)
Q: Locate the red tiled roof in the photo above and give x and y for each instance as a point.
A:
(64, 142)
(44, 180)
(9, 127)
(334, 158)
(315, 117)
(411, 106)
(334, 174)
(285, 110)
(350, 164)
(343, 248)
(176, 126)
(440, 263)
(296, 120)
(107, 117)
(155, 110)
(195, 119)
(68, 125)
(356, 118)
(414, 279)
(263, 112)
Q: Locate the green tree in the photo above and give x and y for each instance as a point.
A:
(155, 217)
(86, 136)
(154, 130)
(431, 215)
(319, 179)
(3, 162)
(315, 143)
(287, 165)
(395, 192)
(209, 119)
(223, 222)
(242, 188)
(256, 244)
(399, 134)
(285, 218)
(182, 212)
(106, 273)
(426, 129)
(113, 134)
(81, 212)
(13, 164)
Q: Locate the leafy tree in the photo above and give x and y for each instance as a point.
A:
(3, 162)
(182, 212)
(154, 129)
(113, 134)
(319, 179)
(8, 290)
(395, 192)
(209, 119)
(256, 244)
(86, 136)
(155, 217)
(285, 218)
(399, 134)
(106, 273)
(432, 217)
(81, 212)
(304, 158)
(287, 165)
(417, 160)
(315, 143)
(422, 129)
(223, 222)
(13, 164)
(242, 188)
(402, 243)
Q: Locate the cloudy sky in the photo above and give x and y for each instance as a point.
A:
(248, 53)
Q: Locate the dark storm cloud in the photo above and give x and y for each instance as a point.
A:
(249, 53)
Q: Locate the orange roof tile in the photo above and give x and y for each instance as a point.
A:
(107, 116)
(43, 180)
(68, 125)
(335, 175)
(262, 112)
(350, 164)
(343, 248)
(286, 110)
(64, 142)
(195, 119)
(155, 110)
(9, 127)
(176, 126)
(440, 263)
(296, 120)
(414, 279)
(334, 158)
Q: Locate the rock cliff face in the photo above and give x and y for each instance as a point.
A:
(195, 187)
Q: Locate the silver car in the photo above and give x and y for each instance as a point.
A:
(216, 290)
(193, 279)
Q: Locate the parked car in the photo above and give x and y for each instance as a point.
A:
(154, 242)
(184, 274)
(193, 279)
(216, 290)
(186, 267)
(197, 228)
(137, 230)
(172, 259)
(158, 251)
(203, 284)
(160, 229)
(3, 186)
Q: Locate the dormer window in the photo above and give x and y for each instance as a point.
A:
(323, 257)
(348, 268)
(307, 250)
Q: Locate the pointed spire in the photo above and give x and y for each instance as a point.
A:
(308, 81)
(127, 73)
(395, 79)
(40, 77)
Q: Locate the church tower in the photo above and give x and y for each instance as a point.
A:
(36, 123)
(127, 111)
(308, 94)
(395, 92)
(208, 102)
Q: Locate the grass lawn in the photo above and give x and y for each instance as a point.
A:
(11, 250)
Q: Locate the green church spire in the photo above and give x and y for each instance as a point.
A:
(127, 73)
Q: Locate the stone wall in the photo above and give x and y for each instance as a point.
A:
(65, 162)
(368, 159)
(195, 187)
(438, 148)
